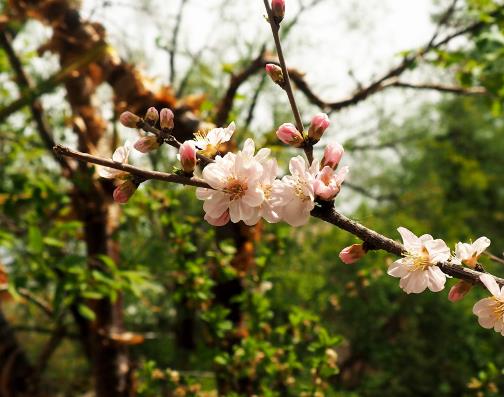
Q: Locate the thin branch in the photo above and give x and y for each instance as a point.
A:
(324, 211)
(143, 174)
(36, 108)
(275, 27)
(442, 88)
(173, 49)
(39, 302)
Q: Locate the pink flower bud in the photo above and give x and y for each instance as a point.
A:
(220, 221)
(187, 153)
(147, 144)
(319, 124)
(166, 119)
(332, 155)
(275, 72)
(328, 183)
(124, 191)
(352, 254)
(459, 290)
(288, 134)
(278, 8)
(129, 119)
(152, 115)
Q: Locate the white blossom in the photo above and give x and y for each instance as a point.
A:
(417, 269)
(469, 254)
(293, 196)
(490, 311)
(236, 180)
(209, 143)
(121, 155)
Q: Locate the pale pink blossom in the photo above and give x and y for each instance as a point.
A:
(418, 270)
(166, 119)
(209, 143)
(459, 290)
(129, 119)
(289, 135)
(318, 126)
(352, 254)
(147, 144)
(124, 191)
(490, 311)
(293, 196)
(328, 183)
(469, 254)
(187, 156)
(332, 155)
(220, 221)
(236, 180)
(121, 155)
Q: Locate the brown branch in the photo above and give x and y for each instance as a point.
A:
(226, 104)
(173, 49)
(39, 302)
(442, 88)
(144, 174)
(286, 85)
(36, 108)
(324, 211)
(390, 79)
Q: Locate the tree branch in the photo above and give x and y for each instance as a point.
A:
(324, 211)
(143, 174)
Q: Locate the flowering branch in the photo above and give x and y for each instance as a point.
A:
(324, 211)
(142, 174)
(286, 85)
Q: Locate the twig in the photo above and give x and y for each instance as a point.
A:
(36, 108)
(324, 211)
(39, 302)
(173, 49)
(147, 175)
(308, 148)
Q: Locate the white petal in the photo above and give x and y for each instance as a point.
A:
(416, 282)
(411, 242)
(398, 269)
(481, 245)
(438, 250)
(491, 284)
(437, 279)
(253, 198)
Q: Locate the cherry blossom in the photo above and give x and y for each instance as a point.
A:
(208, 143)
(469, 254)
(187, 156)
(121, 155)
(418, 270)
(147, 144)
(236, 180)
(293, 196)
(328, 183)
(490, 311)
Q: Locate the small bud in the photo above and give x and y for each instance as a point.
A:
(459, 290)
(275, 73)
(152, 116)
(352, 254)
(332, 155)
(166, 119)
(278, 9)
(328, 183)
(124, 191)
(129, 119)
(146, 144)
(319, 124)
(289, 135)
(187, 153)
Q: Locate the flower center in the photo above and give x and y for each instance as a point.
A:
(498, 309)
(419, 261)
(235, 188)
(299, 189)
(267, 191)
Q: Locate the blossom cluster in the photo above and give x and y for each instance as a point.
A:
(244, 186)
